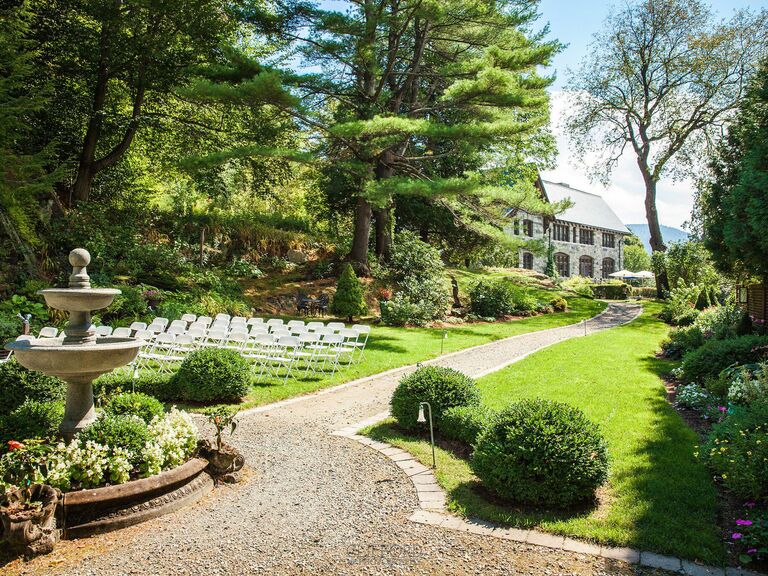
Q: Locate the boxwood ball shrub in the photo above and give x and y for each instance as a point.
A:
(714, 356)
(442, 387)
(559, 304)
(465, 423)
(18, 384)
(541, 452)
(135, 404)
(127, 432)
(33, 419)
(214, 376)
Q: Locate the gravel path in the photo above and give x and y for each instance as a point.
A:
(313, 503)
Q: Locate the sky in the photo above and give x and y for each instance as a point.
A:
(573, 22)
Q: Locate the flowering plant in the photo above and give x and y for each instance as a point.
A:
(385, 293)
(222, 417)
(751, 534)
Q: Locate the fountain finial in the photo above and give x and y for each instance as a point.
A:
(79, 258)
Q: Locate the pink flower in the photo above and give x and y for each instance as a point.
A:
(736, 535)
(749, 504)
(741, 522)
(751, 551)
(722, 408)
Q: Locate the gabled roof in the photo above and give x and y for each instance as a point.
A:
(588, 209)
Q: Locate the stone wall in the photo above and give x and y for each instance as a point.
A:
(574, 250)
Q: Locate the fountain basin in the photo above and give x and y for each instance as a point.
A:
(79, 299)
(81, 362)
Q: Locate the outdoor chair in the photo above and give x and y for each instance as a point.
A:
(255, 321)
(27, 337)
(313, 326)
(292, 323)
(122, 332)
(223, 316)
(257, 329)
(5, 356)
(205, 320)
(235, 341)
(214, 338)
(272, 322)
(104, 330)
(321, 304)
(177, 326)
(303, 304)
(160, 320)
(156, 328)
(336, 326)
(298, 330)
(188, 318)
(136, 326)
(362, 340)
(197, 333)
(163, 354)
(48, 332)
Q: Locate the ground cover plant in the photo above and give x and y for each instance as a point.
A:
(658, 497)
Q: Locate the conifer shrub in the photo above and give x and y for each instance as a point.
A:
(348, 301)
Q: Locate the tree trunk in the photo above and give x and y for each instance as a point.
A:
(652, 216)
(20, 244)
(383, 233)
(359, 254)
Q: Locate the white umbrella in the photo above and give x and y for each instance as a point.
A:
(645, 274)
(623, 274)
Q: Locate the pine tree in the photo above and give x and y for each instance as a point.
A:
(348, 300)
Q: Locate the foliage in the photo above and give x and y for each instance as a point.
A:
(214, 375)
(737, 452)
(636, 258)
(748, 384)
(732, 204)
(442, 387)
(578, 284)
(559, 304)
(172, 440)
(418, 272)
(348, 300)
(241, 268)
(680, 308)
(10, 328)
(222, 417)
(19, 384)
(541, 452)
(465, 423)
(716, 323)
(690, 264)
(611, 291)
(135, 404)
(500, 297)
(682, 340)
(750, 533)
(118, 431)
(716, 355)
(696, 398)
(164, 387)
(33, 419)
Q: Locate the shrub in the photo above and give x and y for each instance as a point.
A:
(135, 404)
(578, 284)
(748, 384)
(716, 355)
(680, 307)
(18, 384)
(696, 398)
(611, 291)
(465, 423)
(348, 301)
(737, 452)
(9, 328)
(559, 304)
(164, 387)
(682, 340)
(442, 387)
(720, 322)
(33, 419)
(644, 291)
(543, 453)
(127, 432)
(493, 298)
(214, 375)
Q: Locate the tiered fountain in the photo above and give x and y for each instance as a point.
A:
(78, 357)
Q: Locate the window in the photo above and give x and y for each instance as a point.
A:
(586, 266)
(609, 267)
(528, 227)
(527, 260)
(609, 240)
(517, 227)
(561, 232)
(563, 264)
(586, 236)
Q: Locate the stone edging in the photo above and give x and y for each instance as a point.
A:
(432, 511)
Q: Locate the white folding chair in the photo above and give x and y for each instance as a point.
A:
(205, 320)
(274, 322)
(27, 337)
(257, 329)
(188, 318)
(156, 328)
(238, 320)
(314, 326)
(48, 332)
(223, 316)
(184, 344)
(257, 350)
(299, 330)
(336, 326)
(214, 338)
(280, 332)
(252, 321)
(329, 349)
(104, 330)
(161, 321)
(364, 331)
(122, 332)
(163, 353)
(136, 326)
(220, 325)
(197, 332)
(235, 341)
(292, 323)
(5, 356)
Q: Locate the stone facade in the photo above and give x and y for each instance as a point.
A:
(541, 229)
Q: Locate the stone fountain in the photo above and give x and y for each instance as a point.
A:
(78, 357)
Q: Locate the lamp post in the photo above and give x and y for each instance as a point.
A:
(422, 419)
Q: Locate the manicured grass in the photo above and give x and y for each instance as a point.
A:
(394, 347)
(659, 496)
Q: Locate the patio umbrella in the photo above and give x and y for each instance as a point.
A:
(645, 274)
(623, 274)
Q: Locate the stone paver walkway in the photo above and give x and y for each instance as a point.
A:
(315, 503)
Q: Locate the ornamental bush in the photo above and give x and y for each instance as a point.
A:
(682, 340)
(465, 423)
(214, 375)
(18, 384)
(164, 387)
(611, 291)
(348, 301)
(559, 304)
(33, 419)
(541, 452)
(714, 356)
(442, 387)
(127, 432)
(135, 404)
(494, 298)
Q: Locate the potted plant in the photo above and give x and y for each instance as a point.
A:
(28, 514)
(223, 459)
(152, 297)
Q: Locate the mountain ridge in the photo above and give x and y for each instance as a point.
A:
(669, 233)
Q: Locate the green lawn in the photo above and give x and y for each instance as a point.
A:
(659, 497)
(394, 347)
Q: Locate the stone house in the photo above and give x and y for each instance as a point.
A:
(588, 238)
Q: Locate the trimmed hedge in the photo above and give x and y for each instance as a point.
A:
(18, 384)
(493, 298)
(707, 361)
(611, 291)
(214, 375)
(124, 431)
(541, 452)
(465, 423)
(33, 419)
(164, 387)
(135, 404)
(442, 387)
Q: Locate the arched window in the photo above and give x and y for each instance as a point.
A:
(609, 267)
(528, 228)
(563, 264)
(586, 266)
(527, 260)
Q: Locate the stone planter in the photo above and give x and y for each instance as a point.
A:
(88, 512)
(222, 464)
(30, 530)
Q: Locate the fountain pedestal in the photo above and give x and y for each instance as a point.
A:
(78, 358)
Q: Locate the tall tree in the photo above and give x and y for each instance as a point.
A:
(398, 86)
(662, 78)
(124, 56)
(733, 201)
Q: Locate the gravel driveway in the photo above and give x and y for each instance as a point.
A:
(313, 503)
